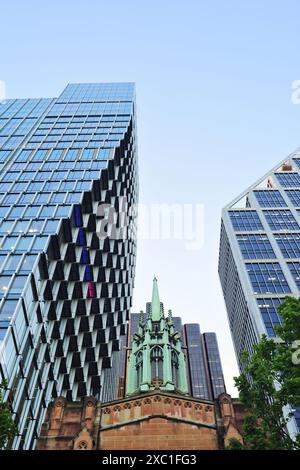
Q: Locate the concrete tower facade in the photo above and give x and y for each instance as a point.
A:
(259, 259)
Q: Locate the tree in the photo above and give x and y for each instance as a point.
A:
(288, 361)
(235, 444)
(271, 380)
(8, 428)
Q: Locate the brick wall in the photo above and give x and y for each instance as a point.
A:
(159, 434)
(156, 421)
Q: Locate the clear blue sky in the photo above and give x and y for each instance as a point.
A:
(214, 110)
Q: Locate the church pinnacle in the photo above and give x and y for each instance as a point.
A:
(156, 360)
(155, 302)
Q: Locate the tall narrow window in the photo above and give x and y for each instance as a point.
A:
(175, 366)
(156, 359)
(139, 369)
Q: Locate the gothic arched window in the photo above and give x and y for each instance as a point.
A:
(139, 368)
(156, 358)
(175, 367)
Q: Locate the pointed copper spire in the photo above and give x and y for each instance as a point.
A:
(155, 302)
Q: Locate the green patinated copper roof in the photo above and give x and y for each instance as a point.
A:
(166, 368)
(155, 302)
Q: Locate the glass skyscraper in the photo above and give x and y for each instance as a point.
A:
(213, 364)
(259, 260)
(204, 361)
(198, 373)
(68, 188)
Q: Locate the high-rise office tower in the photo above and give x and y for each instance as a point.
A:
(203, 364)
(149, 308)
(68, 184)
(197, 368)
(213, 364)
(259, 260)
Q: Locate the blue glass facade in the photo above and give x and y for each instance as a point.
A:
(281, 220)
(214, 365)
(65, 291)
(197, 365)
(255, 246)
(288, 180)
(245, 221)
(267, 198)
(289, 244)
(267, 278)
(294, 196)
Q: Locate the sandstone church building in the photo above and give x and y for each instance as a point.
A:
(157, 412)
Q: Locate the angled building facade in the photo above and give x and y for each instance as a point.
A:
(68, 182)
(259, 259)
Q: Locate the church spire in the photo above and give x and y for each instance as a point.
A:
(156, 359)
(155, 302)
